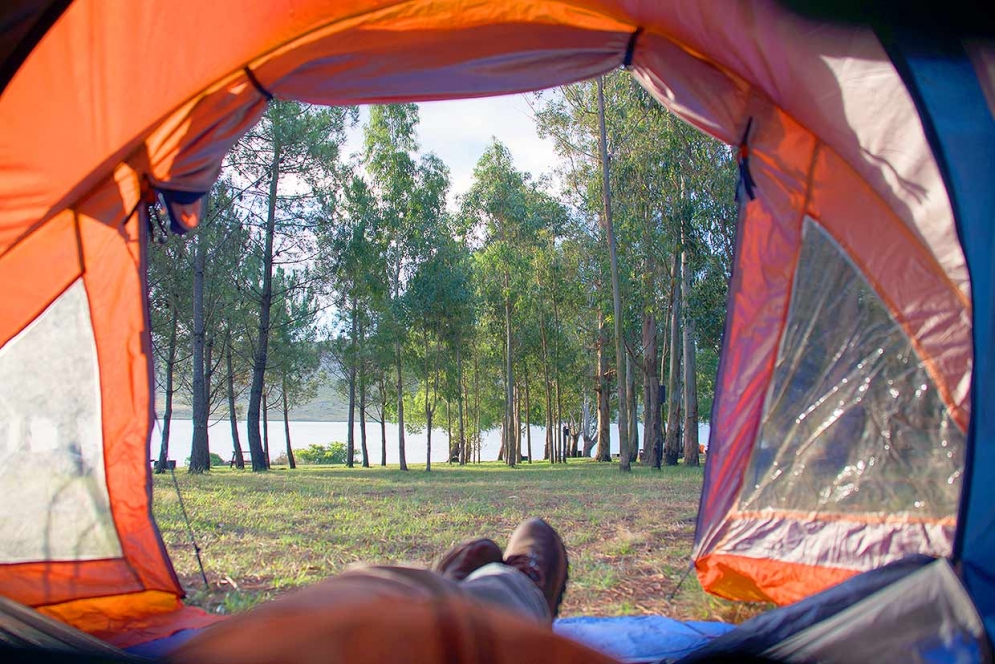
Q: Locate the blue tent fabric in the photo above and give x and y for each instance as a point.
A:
(961, 130)
(162, 647)
(641, 638)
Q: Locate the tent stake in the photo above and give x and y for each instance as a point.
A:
(680, 583)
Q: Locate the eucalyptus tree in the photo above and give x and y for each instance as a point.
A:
(576, 329)
(460, 333)
(378, 367)
(169, 302)
(710, 177)
(621, 364)
(498, 202)
(670, 190)
(352, 261)
(294, 359)
(440, 305)
(218, 247)
(532, 370)
(646, 158)
(575, 118)
(411, 193)
(555, 322)
(292, 153)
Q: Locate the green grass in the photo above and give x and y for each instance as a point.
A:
(629, 536)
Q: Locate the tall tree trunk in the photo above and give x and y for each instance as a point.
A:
(518, 424)
(428, 441)
(362, 416)
(476, 407)
(400, 407)
(461, 443)
(651, 392)
(671, 448)
(509, 402)
(630, 376)
(167, 416)
(623, 402)
(259, 461)
(208, 378)
(451, 443)
(200, 455)
(528, 418)
(558, 412)
(429, 407)
(232, 412)
(604, 453)
(560, 442)
(589, 439)
(690, 380)
(286, 427)
(266, 456)
(549, 394)
(350, 436)
(664, 345)
(383, 435)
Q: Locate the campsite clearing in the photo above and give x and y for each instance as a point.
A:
(261, 535)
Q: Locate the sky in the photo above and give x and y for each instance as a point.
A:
(459, 132)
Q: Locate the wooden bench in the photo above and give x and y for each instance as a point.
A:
(246, 459)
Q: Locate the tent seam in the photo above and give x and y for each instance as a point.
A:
(802, 213)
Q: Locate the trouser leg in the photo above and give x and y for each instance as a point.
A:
(495, 584)
(508, 588)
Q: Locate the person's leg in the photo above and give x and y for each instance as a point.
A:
(495, 584)
(329, 628)
(507, 587)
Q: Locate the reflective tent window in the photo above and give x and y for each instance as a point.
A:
(56, 505)
(853, 422)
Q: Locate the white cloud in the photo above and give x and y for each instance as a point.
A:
(459, 132)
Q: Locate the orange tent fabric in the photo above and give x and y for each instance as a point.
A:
(118, 99)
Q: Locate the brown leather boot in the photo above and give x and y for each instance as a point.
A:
(538, 551)
(466, 558)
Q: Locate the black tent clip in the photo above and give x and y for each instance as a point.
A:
(630, 48)
(746, 182)
(249, 74)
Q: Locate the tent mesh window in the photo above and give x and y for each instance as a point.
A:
(51, 445)
(852, 422)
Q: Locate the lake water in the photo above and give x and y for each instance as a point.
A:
(303, 434)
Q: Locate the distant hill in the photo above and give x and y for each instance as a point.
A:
(328, 406)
